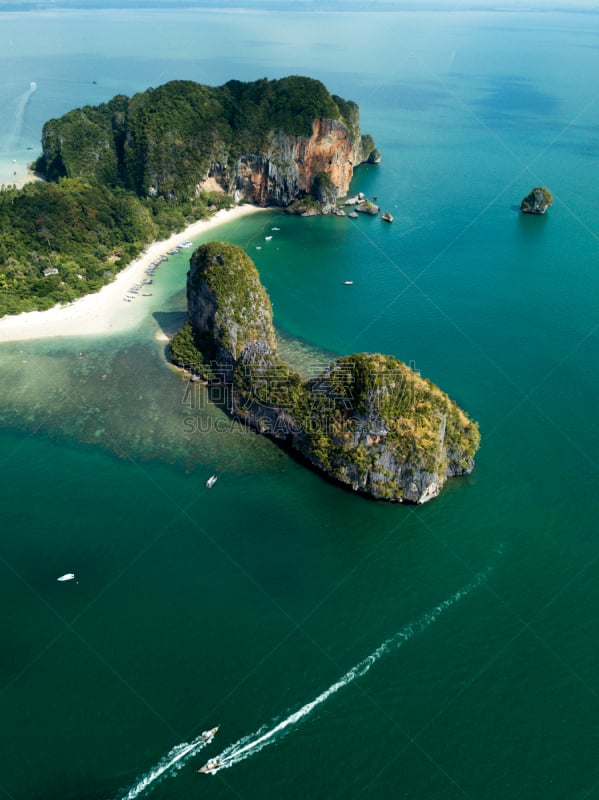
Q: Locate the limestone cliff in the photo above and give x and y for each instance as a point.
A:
(382, 429)
(369, 421)
(264, 141)
(229, 309)
(537, 201)
(287, 168)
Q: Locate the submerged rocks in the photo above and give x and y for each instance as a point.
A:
(368, 421)
(537, 201)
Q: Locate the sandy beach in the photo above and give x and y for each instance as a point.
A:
(105, 311)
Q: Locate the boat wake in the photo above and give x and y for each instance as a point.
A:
(171, 763)
(275, 730)
(19, 114)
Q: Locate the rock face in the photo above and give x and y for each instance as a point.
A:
(288, 168)
(229, 309)
(377, 426)
(265, 141)
(368, 421)
(537, 201)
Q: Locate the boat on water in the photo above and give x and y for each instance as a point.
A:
(268, 238)
(211, 481)
(275, 229)
(208, 735)
(69, 576)
(348, 283)
(214, 763)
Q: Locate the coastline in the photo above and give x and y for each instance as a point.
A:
(104, 312)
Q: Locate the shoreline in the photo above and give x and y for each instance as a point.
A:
(104, 312)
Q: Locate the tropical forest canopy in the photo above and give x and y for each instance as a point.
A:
(99, 206)
(160, 141)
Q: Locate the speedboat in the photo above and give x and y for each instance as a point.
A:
(214, 763)
(348, 283)
(211, 481)
(207, 735)
(69, 576)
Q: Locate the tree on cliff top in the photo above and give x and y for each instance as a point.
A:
(162, 140)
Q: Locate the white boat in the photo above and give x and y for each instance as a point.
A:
(214, 763)
(268, 238)
(211, 481)
(69, 576)
(348, 283)
(275, 229)
(208, 735)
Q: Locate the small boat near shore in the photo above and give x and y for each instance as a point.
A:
(211, 481)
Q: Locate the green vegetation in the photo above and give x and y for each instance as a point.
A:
(408, 412)
(126, 172)
(367, 420)
(186, 350)
(61, 241)
(243, 311)
(160, 142)
(305, 206)
(323, 189)
(537, 201)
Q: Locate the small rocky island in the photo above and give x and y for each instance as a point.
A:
(368, 421)
(537, 201)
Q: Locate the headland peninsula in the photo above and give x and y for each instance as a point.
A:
(121, 175)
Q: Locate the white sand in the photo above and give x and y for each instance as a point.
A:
(106, 311)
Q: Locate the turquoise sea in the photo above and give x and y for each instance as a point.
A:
(346, 648)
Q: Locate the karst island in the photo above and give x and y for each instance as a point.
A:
(119, 175)
(368, 421)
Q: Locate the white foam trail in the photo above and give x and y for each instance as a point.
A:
(173, 760)
(252, 744)
(19, 114)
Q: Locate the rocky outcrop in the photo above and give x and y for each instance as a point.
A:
(265, 141)
(368, 421)
(289, 166)
(537, 201)
(377, 426)
(229, 309)
(367, 207)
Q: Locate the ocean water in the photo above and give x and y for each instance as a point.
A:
(346, 648)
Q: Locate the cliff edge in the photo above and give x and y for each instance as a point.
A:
(263, 141)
